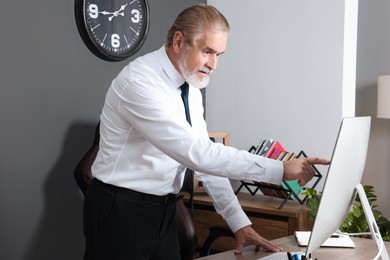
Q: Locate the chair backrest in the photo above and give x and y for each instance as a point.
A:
(186, 231)
(185, 226)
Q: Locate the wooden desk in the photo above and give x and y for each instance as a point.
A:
(267, 219)
(365, 249)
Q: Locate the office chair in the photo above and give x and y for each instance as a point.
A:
(184, 223)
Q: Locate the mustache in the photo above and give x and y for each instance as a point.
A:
(205, 70)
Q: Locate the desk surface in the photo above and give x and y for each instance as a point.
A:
(365, 249)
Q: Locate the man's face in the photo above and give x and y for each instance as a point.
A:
(199, 61)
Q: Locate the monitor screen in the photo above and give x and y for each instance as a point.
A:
(344, 174)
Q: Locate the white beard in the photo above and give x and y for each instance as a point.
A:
(190, 76)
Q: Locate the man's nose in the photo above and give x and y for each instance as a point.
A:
(212, 61)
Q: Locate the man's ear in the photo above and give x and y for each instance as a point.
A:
(178, 42)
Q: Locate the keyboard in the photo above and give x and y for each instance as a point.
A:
(282, 256)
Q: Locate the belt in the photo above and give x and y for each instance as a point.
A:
(165, 199)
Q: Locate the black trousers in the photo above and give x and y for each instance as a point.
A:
(120, 224)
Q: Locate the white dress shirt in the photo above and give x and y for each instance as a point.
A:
(146, 143)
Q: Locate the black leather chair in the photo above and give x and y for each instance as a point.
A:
(185, 226)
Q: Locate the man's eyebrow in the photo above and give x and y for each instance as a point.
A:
(211, 50)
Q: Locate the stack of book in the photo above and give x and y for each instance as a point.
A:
(270, 148)
(287, 190)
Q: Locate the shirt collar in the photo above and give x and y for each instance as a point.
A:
(174, 76)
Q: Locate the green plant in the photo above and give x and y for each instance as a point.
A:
(355, 222)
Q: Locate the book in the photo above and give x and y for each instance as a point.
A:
(265, 146)
(274, 190)
(335, 240)
(286, 190)
(288, 156)
(274, 151)
(293, 186)
(281, 156)
(258, 148)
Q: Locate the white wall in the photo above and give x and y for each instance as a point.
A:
(374, 59)
(281, 75)
(295, 53)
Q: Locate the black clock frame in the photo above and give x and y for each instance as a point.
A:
(93, 46)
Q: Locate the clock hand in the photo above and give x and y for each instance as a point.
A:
(116, 13)
(105, 13)
(122, 8)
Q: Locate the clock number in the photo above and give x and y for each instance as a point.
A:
(115, 41)
(135, 18)
(93, 11)
(113, 30)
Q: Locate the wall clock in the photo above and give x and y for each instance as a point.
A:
(112, 29)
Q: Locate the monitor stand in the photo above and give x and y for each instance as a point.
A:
(372, 223)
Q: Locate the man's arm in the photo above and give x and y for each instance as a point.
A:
(228, 206)
(224, 200)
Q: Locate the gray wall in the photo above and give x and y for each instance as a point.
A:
(52, 91)
(281, 77)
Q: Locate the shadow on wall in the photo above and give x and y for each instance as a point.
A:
(59, 234)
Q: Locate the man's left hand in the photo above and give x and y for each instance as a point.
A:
(248, 236)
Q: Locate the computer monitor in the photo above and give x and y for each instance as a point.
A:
(344, 176)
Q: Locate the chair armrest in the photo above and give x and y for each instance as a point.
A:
(215, 232)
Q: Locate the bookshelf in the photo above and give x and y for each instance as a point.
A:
(287, 190)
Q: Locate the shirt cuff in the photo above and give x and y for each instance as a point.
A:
(238, 221)
(274, 171)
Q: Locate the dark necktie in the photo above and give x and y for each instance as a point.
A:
(188, 184)
(184, 96)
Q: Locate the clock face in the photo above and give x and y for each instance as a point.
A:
(113, 29)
